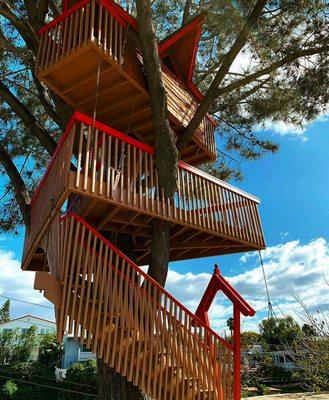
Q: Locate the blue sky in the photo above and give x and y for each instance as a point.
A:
(294, 192)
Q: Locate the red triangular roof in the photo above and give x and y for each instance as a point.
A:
(182, 46)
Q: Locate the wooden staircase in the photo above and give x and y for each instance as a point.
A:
(123, 316)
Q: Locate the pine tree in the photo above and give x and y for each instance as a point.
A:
(5, 312)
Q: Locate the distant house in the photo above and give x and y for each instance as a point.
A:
(22, 324)
(284, 359)
(74, 352)
(280, 358)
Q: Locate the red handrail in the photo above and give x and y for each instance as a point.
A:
(79, 117)
(108, 4)
(146, 276)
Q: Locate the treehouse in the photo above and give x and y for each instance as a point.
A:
(103, 179)
(90, 56)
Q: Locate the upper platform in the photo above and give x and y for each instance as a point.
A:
(90, 57)
(110, 180)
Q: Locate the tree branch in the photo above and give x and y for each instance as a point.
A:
(187, 11)
(265, 71)
(23, 28)
(21, 193)
(28, 118)
(228, 60)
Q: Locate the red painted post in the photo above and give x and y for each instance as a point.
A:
(237, 352)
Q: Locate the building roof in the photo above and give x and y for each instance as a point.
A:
(28, 316)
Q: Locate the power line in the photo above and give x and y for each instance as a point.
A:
(48, 378)
(49, 387)
(26, 302)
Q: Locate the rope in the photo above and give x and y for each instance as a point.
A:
(271, 313)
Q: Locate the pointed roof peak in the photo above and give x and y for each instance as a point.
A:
(182, 45)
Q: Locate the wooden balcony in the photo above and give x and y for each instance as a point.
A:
(110, 180)
(89, 56)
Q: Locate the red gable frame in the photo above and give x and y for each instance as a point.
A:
(216, 284)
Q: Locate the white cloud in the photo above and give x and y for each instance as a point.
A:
(291, 268)
(18, 284)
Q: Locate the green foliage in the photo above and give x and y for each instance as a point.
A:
(9, 389)
(280, 332)
(49, 349)
(249, 339)
(230, 324)
(313, 362)
(85, 373)
(309, 330)
(5, 312)
(17, 348)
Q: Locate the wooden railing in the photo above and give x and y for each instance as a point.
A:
(114, 166)
(119, 169)
(182, 105)
(94, 21)
(89, 22)
(50, 194)
(136, 326)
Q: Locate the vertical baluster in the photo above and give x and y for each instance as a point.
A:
(76, 30)
(152, 192)
(124, 316)
(111, 328)
(90, 273)
(140, 154)
(108, 295)
(40, 51)
(66, 254)
(72, 269)
(87, 24)
(134, 183)
(179, 193)
(101, 303)
(86, 166)
(81, 17)
(54, 44)
(111, 36)
(164, 349)
(102, 166)
(95, 291)
(210, 205)
(100, 38)
(71, 20)
(106, 24)
(115, 40)
(109, 166)
(128, 175)
(146, 174)
(92, 21)
(48, 46)
(136, 331)
(120, 45)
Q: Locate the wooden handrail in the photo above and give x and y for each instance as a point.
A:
(198, 321)
(113, 310)
(201, 200)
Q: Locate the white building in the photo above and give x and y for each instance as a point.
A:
(22, 324)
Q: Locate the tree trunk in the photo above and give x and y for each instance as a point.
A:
(112, 386)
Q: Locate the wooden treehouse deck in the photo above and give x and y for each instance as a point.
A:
(110, 180)
(134, 325)
(89, 56)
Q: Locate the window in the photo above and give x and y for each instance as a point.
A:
(7, 330)
(25, 331)
(42, 331)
